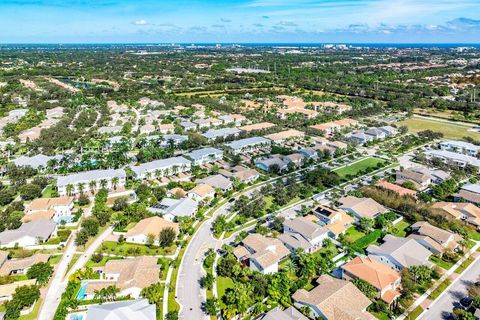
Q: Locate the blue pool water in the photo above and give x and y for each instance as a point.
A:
(76, 317)
(81, 292)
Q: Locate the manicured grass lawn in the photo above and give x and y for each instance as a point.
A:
(435, 293)
(365, 241)
(415, 313)
(352, 234)
(55, 259)
(474, 235)
(74, 259)
(132, 249)
(356, 167)
(450, 130)
(441, 263)
(32, 315)
(102, 263)
(223, 283)
(380, 315)
(464, 265)
(399, 229)
(47, 193)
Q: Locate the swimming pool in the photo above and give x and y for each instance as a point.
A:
(76, 316)
(82, 293)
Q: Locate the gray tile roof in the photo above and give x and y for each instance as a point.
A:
(159, 164)
(184, 207)
(39, 160)
(238, 144)
(217, 181)
(41, 229)
(87, 176)
(223, 133)
(204, 152)
(131, 309)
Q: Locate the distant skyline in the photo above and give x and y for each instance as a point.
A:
(239, 21)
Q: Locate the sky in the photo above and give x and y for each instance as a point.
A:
(239, 21)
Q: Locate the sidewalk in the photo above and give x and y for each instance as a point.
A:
(447, 274)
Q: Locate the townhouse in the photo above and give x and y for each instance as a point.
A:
(205, 155)
(161, 168)
(248, 145)
(94, 180)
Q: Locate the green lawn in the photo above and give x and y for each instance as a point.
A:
(355, 168)
(223, 283)
(47, 193)
(55, 259)
(102, 263)
(464, 265)
(74, 259)
(441, 263)
(415, 313)
(132, 249)
(450, 130)
(474, 235)
(352, 234)
(380, 315)
(33, 315)
(444, 285)
(372, 238)
(398, 230)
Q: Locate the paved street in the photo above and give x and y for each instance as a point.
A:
(443, 306)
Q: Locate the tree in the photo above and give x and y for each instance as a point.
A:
(82, 237)
(30, 191)
(91, 226)
(166, 237)
(366, 224)
(83, 200)
(279, 288)
(23, 296)
(369, 290)
(237, 300)
(150, 239)
(171, 315)
(207, 281)
(40, 271)
(210, 307)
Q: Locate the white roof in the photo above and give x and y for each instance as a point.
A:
(455, 156)
(204, 152)
(475, 188)
(224, 132)
(461, 144)
(159, 164)
(131, 309)
(87, 176)
(238, 144)
(39, 160)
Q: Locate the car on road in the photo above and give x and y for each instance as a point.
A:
(466, 302)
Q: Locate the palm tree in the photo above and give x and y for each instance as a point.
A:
(115, 182)
(148, 175)
(93, 186)
(80, 187)
(103, 184)
(290, 267)
(69, 189)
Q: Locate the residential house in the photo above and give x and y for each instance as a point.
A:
(469, 192)
(248, 145)
(111, 130)
(297, 159)
(90, 180)
(401, 191)
(261, 253)
(59, 209)
(38, 162)
(453, 158)
(130, 276)
(376, 133)
(389, 131)
(173, 139)
(29, 234)
(188, 126)
(266, 164)
(359, 137)
(205, 155)
(203, 123)
(7, 290)
(328, 128)
(245, 175)
(460, 211)
(129, 309)
(222, 133)
(362, 207)
(218, 182)
(460, 147)
(257, 126)
(201, 193)
(400, 253)
(383, 278)
(278, 314)
(335, 220)
(303, 233)
(21, 265)
(334, 299)
(149, 227)
(433, 238)
(172, 208)
(166, 128)
(419, 179)
(309, 153)
(283, 136)
(161, 168)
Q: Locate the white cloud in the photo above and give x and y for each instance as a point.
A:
(140, 22)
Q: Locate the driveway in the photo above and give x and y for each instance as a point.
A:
(443, 306)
